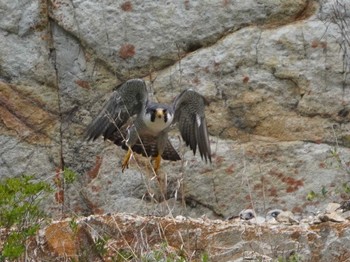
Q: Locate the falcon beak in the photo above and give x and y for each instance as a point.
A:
(159, 113)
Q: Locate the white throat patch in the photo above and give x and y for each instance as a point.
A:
(158, 124)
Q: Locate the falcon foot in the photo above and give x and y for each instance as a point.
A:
(157, 160)
(126, 160)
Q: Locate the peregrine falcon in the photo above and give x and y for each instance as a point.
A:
(138, 125)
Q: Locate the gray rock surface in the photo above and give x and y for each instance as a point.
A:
(275, 72)
(190, 240)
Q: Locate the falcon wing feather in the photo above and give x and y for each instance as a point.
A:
(127, 100)
(189, 114)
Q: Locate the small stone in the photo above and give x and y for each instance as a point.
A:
(315, 220)
(257, 220)
(180, 218)
(287, 217)
(346, 215)
(272, 221)
(332, 207)
(333, 217)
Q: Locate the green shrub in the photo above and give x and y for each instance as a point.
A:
(20, 213)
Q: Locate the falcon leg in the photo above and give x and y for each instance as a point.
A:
(157, 160)
(126, 160)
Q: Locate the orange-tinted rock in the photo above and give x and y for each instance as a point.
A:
(25, 116)
(60, 240)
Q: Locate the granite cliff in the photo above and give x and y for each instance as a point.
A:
(276, 74)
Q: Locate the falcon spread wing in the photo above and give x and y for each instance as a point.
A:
(112, 122)
(127, 101)
(189, 113)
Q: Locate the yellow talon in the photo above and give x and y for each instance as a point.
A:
(126, 160)
(157, 160)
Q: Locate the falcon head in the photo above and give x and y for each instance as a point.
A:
(158, 117)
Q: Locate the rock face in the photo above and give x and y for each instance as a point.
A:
(134, 238)
(275, 72)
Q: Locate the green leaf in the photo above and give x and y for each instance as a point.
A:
(311, 196)
(20, 213)
(324, 191)
(69, 175)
